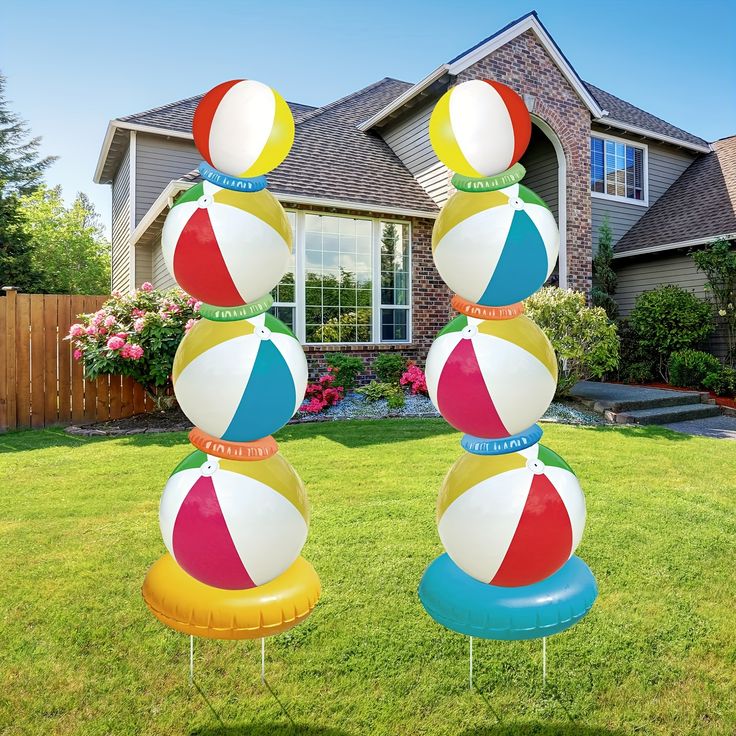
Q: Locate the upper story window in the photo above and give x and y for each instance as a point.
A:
(348, 281)
(618, 169)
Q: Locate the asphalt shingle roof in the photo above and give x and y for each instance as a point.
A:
(178, 115)
(332, 159)
(625, 112)
(700, 204)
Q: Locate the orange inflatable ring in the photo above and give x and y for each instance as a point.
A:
(256, 450)
(470, 309)
(185, 604)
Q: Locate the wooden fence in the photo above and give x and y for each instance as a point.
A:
(40, 382)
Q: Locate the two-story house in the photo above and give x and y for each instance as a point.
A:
(362, 188)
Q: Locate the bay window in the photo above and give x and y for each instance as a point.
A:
(349, 280)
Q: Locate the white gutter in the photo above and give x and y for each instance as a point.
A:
(114, 125)
(163, 201)
(166, 200)
(439, 72)
(674, 246)
(651, 134)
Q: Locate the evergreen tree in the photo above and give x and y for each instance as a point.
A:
(21, 166)
(604, 277)
(16, 260)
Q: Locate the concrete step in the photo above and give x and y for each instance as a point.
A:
(664, 414)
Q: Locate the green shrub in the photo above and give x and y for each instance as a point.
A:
(690, 367)
(389, 367)
(604, 276)
(583, 337)
(640, 372)
(376, 390)
(721, 383)
(345, 368)
(669, 319)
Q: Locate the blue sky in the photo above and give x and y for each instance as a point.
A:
(73, 65)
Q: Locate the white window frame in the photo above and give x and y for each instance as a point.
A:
(376, 306)
(645, 171)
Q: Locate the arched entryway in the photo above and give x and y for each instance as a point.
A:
(546, 169)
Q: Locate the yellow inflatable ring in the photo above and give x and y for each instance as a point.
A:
(183, 603)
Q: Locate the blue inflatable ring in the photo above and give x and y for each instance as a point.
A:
(215, 176)
(513, 443)
(463, 604)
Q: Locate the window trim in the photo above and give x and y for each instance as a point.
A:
(645, 170)
(299, 245)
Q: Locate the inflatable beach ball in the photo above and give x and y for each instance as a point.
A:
(242, 380)
(243, 128)
(491, 378)
(480, 128)
(224, 247)
(234, 524)
(495, 248)
(511, 519)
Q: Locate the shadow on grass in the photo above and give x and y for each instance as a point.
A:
(268, 729)
(647, 432)
(366, 432)
(541, 729)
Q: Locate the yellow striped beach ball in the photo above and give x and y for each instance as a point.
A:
(240, 381)
(234, 524)
(491, 378)
(495, 248)
(243, 128)
(480, 128)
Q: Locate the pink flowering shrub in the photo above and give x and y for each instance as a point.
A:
(322, 394)
(414, 378)
(136, 335)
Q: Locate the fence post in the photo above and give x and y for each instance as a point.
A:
(9, 387)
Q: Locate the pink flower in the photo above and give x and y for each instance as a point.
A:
(77, 354)
(99, 317)
(117, 294)
(146, 286)
(109, 321)
(131, 351)
(115, 343)
(197, 306)
(138, 312)
(163, 314)
(191, 301)
(91, 330)
(138, 324)
(188, 326)
(76, 330)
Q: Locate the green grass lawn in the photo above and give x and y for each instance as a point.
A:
(80, 654)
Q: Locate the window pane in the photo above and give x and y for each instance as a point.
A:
(394, 325)
(285, 314)
(284, 293)
(394, 262)
(338, 279)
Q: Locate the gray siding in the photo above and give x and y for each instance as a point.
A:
(143, 259)
(636, 276)
(160, 276)
(540, 162)
(121, 229)
(666, 164)
(409, 140)
(158, 161)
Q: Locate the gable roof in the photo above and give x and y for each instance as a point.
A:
(603, 106)
(332, 160)
(619, 111)
(178, 115)
(700, 206)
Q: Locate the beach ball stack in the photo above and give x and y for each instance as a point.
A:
(234, 514)
(510, 512)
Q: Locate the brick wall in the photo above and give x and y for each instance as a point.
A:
(524, 65)
(430, 300)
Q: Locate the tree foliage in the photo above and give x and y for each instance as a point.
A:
(667, 319)
(69, 249)
(604, 277)
(21, 164)
(718, 262)
(584, 339)
(16, 260)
